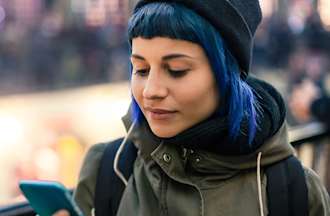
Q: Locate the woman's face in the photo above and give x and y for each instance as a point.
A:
(173, 84)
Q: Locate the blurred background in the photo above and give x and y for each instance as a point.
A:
(64, 71)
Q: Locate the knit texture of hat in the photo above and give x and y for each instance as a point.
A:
(235, 20)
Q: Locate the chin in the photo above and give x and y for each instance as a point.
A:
(164, 133)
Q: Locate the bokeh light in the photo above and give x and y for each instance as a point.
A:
(2, 14)
(324, 10)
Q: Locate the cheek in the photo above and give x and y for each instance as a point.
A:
(200, 100)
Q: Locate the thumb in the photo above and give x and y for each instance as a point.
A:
(61, 213)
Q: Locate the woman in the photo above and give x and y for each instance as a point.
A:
(202, 127)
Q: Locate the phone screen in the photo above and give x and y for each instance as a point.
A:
(47, 197)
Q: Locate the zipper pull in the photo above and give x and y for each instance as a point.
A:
(184, 156)
(184, 153)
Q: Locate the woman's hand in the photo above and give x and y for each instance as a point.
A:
(61, 213)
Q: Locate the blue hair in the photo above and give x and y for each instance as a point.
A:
(175, 21)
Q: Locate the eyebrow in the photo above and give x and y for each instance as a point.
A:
(165, 58)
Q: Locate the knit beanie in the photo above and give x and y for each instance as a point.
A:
(235, 20)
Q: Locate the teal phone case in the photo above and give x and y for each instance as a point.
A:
(47, 197)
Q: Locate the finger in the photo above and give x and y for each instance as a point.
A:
(61, 213)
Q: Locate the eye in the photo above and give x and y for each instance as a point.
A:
(141, 72)
(177, 73)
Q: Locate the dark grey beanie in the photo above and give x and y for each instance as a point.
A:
(236, 20)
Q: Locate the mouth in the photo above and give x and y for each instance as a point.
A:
(159, 114)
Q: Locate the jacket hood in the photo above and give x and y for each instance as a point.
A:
(271, 139)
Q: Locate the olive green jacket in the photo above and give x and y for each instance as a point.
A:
(171, 180)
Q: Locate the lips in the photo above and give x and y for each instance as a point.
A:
(159, 114)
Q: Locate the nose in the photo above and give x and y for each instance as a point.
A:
(155, 86)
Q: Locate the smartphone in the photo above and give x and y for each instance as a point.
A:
(47, 197)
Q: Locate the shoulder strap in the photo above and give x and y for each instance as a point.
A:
(109, 188)
(286, 188)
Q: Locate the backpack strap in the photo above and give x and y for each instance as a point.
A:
(109, 188)
(286, 188)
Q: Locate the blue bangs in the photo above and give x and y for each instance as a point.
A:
(164, 20)
(175, 21)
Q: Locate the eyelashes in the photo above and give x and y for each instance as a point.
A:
(141, 72)
(172, 73)
(177, 73)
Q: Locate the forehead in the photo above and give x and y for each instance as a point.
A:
(160, 46)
